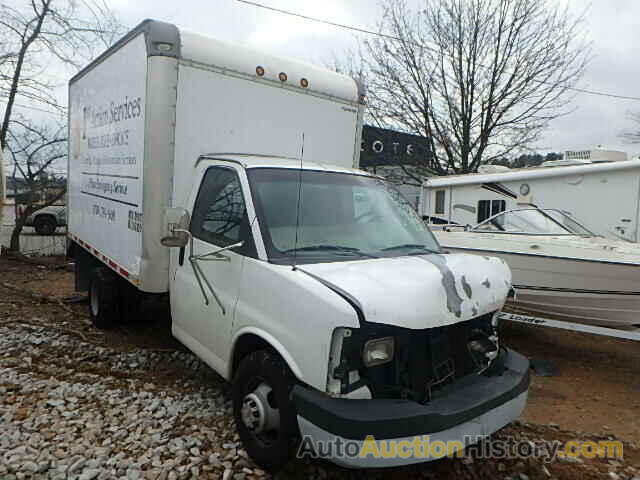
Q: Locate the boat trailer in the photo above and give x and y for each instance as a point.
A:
(633, 334)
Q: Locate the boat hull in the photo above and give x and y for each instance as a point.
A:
(582, 291)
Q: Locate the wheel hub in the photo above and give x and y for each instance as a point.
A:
(257, 413)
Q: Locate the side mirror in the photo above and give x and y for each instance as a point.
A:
(180, 238)
(177, 221)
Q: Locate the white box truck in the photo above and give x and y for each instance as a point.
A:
(312, 286)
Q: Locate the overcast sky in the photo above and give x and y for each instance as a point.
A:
(612, 26)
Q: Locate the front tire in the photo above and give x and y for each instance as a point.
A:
(263, 411)
(103, 298)
(45, 225)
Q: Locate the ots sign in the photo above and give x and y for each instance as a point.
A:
(381, 147)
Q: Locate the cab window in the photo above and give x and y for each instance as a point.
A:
(220, 214)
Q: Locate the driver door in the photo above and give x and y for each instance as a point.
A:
(204, 298)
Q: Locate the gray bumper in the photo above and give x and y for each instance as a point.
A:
(466, 411)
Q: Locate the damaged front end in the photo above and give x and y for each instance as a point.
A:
(453, 383)
(425, 322)
(426, 360)
(384, 361)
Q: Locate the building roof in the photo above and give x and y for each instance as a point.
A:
(530, 173)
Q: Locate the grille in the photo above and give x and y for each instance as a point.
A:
(427, 360)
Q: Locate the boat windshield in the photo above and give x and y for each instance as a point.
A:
(533, 221)
(316, 216)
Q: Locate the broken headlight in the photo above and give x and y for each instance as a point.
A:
(483, 343)
(378, 351)
(396, 362)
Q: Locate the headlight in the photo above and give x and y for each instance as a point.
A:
(378, 351)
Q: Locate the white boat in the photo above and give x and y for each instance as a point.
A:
(560, 269)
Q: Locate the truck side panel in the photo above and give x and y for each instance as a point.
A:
(224, 113)
(158, 171)
(106, 154)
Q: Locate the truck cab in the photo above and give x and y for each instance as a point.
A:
(322, 296)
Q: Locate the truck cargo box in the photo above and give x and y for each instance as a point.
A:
(142, 114)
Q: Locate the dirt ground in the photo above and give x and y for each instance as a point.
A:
(52, 282)
(597, 386)
(596, 390)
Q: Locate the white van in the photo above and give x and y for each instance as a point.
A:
(312, 286)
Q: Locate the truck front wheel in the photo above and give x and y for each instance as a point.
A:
(263, 411)
(103, 298)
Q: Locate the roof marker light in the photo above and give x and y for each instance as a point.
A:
(260, 71)
(304, 83)
(282, 76)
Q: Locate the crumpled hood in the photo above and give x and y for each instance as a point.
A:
(422, 291)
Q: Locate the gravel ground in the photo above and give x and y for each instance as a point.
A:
(81, 404)
(108, 420)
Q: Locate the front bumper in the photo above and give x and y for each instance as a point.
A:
(465, 411)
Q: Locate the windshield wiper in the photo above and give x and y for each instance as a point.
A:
(335, 248)
(409, 246)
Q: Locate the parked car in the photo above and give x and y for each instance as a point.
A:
(47, 219)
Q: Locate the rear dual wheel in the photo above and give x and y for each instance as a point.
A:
(104, 298)
(112, 299)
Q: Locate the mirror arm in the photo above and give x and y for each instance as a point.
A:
(216, 253)
(175, 240)
(197, 270)
(200, 275)
(194, 265)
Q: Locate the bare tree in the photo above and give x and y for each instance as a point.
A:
(479, 78)
(38, 37)
(66, 31)
(632, 136)
(34, 151)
